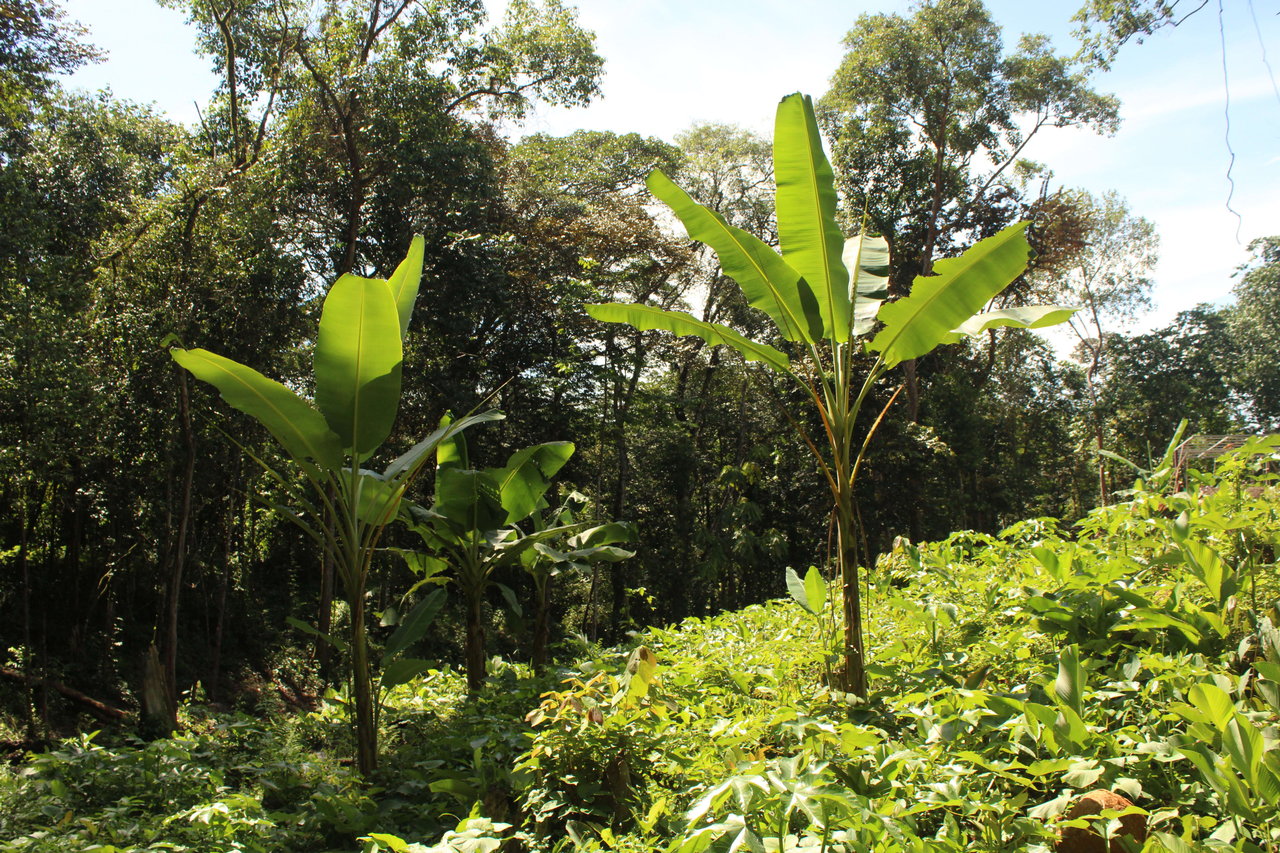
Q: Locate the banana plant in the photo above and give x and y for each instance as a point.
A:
(577, 548)
(826, 295)
(472, 524)
(357, 366)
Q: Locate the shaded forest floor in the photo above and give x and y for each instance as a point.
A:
(1135, 653)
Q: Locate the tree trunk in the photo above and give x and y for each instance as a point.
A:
(173, 595)
(24, 569)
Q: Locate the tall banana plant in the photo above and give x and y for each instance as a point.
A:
(339, 504)
(826, 315)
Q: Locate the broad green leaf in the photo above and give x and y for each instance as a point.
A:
(469, 500)
(404, 283)
(394, 843)
(337, 642)
(1029, 317)
(527, 476)
(601, 554)
(357, 362)
(407, 465)
(402, 671)
(1269, 691)
(1212, 701)
(1243, 744)
(512, 601)
(767, 281)
(641, 670)
(806, 204)
(1145, 618)
(815, 588)
(960, 287)
(869, 287)
(1070, 727)
(377, 501)
(1174, 844)
(415, 625)
(1268, 785)
(799, 593)
(646, 317)
(300, 429)
(604, 534)
(1069, 687)
(1083, 774)
(451, 450)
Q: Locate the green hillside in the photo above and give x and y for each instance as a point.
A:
(1135, 652)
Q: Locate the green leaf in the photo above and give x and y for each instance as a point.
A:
(404, 283)
(1028, 317)
(357, 362)
(469, 499)
(806, 204)
(1212, 701)
(408, 464)
(815, 588)
(868, 289)
(1174, 844)
(646, 317)
(402, 671)
(1069, 687)
(1269, 691)
(512, 601)
(337, 642)
(642, 668)
(600, 554)
(767, 281)
(604, 534)
(415, 625)
(392, 842)
(377, 501)
(527, 476)
(939, 303)
(799, 593)
(300, 429)
(1243, 744)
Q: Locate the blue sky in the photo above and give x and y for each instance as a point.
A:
(670, 63)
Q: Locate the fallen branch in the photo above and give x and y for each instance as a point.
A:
(104, 712)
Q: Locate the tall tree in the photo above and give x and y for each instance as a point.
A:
(1255, 330)
(36, 44)
(1108, 274)
(928, 113)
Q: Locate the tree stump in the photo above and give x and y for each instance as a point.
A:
(1091, 840)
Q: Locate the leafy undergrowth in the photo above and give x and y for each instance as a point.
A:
(1135, 652)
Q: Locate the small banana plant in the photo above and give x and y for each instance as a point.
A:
(567, 546)
(472, 525)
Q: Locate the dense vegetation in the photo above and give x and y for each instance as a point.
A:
(356, 626)
(1011, 672)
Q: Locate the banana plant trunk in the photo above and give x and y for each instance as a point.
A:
(474, 653)
(854, 672)
(366, 728)
(541, 630)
